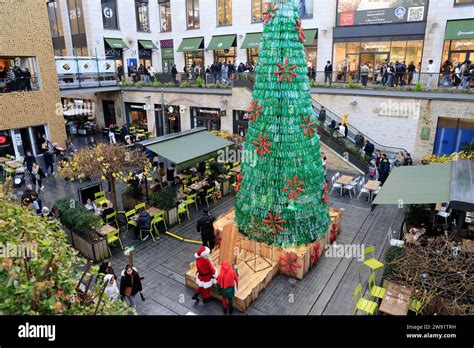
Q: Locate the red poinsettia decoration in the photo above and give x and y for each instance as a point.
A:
(285, 71)
(315, 254)
(254, 110)
(270, 11)
(308, 126)
(239, 181)
(274, 223)
(299, 29)
(325, 194)
(288, 263)
(262, 145)
(294, 188)
(333, 232)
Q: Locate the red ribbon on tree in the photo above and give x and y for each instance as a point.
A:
(315, 254)
(254, 110)
(308, 126)
(273, 222)
(269, 11)
(262, 145)
(325, 195)
(299, 29)
(285, 71)
(294, 187)
(239, 181)
(288, 262)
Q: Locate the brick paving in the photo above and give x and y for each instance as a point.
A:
(327, 290)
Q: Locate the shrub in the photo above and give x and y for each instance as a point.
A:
(165, 198)
(185, 84)
(418, 87)
(133, 189)
(199, 82)
(417, 214)
(211, 85)
(76, 217)
(351, 83)
(393, 253)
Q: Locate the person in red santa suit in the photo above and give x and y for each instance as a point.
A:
(206, 274)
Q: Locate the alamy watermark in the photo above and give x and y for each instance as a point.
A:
(229, 155)
(18, 250)
(400, 109)
(345, 250)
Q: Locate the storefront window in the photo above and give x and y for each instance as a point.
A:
(458, 51)
(55, 22)
(137, 116)
(241, 122)
(225, 55)
(167, 55)
(311, 56)
(224, 12)
(257, 10)
(452, 134)
(252, 55)
(196, 57)
(173, 119)
(165, 15)
(192, 10)
(206, 117)
(115, 54)
(11, 69)
(141, 11)
(78, 31)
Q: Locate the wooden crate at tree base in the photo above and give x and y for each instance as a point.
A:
(258, 263)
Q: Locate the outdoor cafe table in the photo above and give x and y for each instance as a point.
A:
(14, 165)
(345, 180)
(198, 185)
(396, 300)
(3, 159)
(106, 229)
(372, 185)
(153, 210)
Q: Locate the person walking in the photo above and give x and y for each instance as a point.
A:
(227, 284)
(38, 176)
(408, 160)
(49, 162)
(130, 285)
(364, 74)
(411, 72)
(206, 228)
(206, 275)
(430, 70)
(174, 72)
(225, 73)
(29, 160)
(328, 73)
(344, 123)
(112, 134)
(111, 288)
(446, 70)
(119, 73)
(322, 117)
(465, 69)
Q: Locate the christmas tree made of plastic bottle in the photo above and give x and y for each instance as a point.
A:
(281, 197)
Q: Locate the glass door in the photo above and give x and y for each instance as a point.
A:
(369, 59)
(458, 57)
(379, 61)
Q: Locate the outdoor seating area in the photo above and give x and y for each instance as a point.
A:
(354, 186)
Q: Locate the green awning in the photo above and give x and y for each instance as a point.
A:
(460, 30)
(252, 40)
(116, 43)
(425, 184)
(309, 34)
(191, 44)
(222, 42)
(147, 44)
(187, 148)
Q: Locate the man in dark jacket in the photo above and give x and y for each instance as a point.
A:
(369, 148)
(408, 161)
(143, 223)
(49, 162)
(174, 72)
(322, 117)
(206, 228)
(359, 140)
(328, 72)
(29, 160)
(384, 169)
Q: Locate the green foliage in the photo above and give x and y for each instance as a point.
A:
(76, 217)
(467, 148)
(165, 198)
(393, 253)
(133, 189)
(284, 95)
(417, 214)
(211, 85)
(43, 284)
(418, 87)
(199, 82)
(351, 83)
(184, 84)
(217, 168)
(169, 84)
(157, 83)
(141, 84)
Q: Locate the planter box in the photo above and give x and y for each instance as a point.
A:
(171, 216)
(94, 250)
(225, 187)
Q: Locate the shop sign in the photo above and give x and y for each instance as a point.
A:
(3, 139)
(223, 113)
(147, 107)
(138, 107)
(108, 12)
(210, 111)
(464, 43)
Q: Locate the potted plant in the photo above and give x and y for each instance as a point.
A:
(165, 199)
(81, 227)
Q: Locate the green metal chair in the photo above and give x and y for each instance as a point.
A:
(129, 217)
(140, 206)
(371, 262)
(100, 198)
(157, 218)
(363, 304)
(112, 238)
(210, 195)
(112, 219)
(183, 209)
(192, 199)
(375, 291)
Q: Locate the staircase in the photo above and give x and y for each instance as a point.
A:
(346, 147)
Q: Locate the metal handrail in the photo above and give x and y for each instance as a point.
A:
(352, 131)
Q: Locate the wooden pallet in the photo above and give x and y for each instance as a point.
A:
(251, 283)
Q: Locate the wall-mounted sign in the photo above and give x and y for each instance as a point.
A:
(3, 139)
(137, 107)
(108, 12)
(364, 12)
(425, 133)
(210, 111)
(223, 113)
